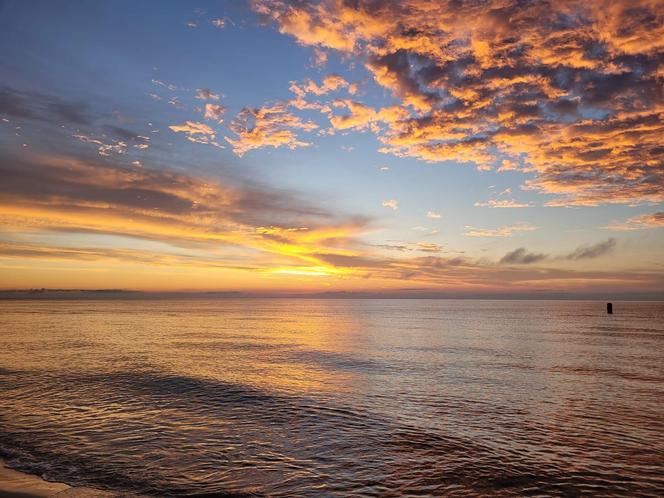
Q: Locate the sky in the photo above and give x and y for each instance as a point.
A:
(303, 146)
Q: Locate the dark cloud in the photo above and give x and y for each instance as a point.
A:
(395, 247)
(120, 132)
(99, 186)
(592, 251)
(522, 257)
(342, 260)
(35, 105)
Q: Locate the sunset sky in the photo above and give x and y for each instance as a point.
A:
(467, 146)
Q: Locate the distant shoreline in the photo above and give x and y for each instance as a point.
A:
(120, 294)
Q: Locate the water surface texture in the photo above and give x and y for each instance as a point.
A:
(336, 397)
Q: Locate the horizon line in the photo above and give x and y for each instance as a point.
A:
(76, 294)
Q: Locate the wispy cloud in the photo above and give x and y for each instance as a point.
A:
(506, 231)
(319, 58)
(522, 257)
(63, 194)
(197, 132)
(503, 203)
(592, 251)
(105, 149)
(640, 222)
(428, 247)
(169, 86)
(22, 105)
(206, 94)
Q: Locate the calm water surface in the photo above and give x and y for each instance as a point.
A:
(336, 397)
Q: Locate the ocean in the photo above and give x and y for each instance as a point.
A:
(335, 397)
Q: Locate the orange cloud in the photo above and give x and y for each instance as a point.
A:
(179, 210)
(206, 94)
(197, 132)
(640, 222)
(330, 83)
(569, 89)
(171, 229)
(214, 112)
(270, 126)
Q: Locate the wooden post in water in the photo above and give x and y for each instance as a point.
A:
(609, 308)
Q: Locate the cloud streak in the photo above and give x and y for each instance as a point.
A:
(197, 132)
(64, 194)
(522, 257)
(506, 231)
(640, 222)
(592, 251)
(26, 105)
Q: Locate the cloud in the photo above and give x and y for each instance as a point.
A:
(197, 132)
(218, 23)
(175, 102)
(592, 251)
(168, 86)
(640, 222)
(569, 91)
(426, 231)
(65, 194)
(508, 165)
(20, 105)
(104, 149)
(363, 117)
(206, 94)
(330, 83)
(426, 247)
(433, 215)
(503, 203)
(121, 133)
(319, 58)
(214, 112)
(270, 126)
(391, 203)
(233, 224)
(522, 257)
(131, 256)
(506, 231)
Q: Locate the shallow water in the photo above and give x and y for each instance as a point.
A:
(336, 397)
